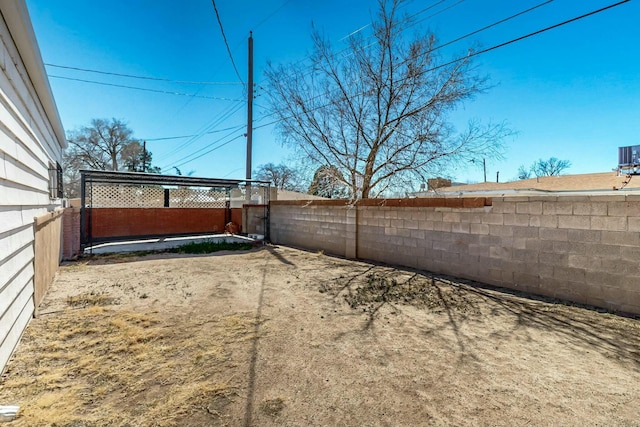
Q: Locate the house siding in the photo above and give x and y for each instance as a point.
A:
(30, 140)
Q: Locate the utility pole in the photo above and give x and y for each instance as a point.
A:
(144, 156)
(250, 106)
(484, 166)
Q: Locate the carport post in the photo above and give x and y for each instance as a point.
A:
(83, 212)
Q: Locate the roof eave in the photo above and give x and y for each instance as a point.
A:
(16, 16)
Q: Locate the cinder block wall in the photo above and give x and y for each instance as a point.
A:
(317, 226)
(254, 219)
(580, 248)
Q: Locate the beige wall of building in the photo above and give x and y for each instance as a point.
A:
(31, 143)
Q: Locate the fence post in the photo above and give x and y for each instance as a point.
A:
(351, 235)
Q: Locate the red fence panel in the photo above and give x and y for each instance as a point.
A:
(109, 223)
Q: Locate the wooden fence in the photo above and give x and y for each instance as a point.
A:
(48, 238)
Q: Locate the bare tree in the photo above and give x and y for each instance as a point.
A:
(281, 176)
(103, 145)
(523, 172)
(551, 167)
(377, 112)
(71, 175)
(100, 145)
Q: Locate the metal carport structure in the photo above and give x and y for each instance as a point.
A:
(124, 205)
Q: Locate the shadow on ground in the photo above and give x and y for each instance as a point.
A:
(376, 287)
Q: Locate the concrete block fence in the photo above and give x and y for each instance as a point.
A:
(584, 249)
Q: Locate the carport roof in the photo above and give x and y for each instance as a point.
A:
(150, 178)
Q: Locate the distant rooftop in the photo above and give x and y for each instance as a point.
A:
(590, 182)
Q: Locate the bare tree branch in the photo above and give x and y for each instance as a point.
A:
(377, 114)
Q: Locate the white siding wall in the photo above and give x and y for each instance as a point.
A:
(28, 143)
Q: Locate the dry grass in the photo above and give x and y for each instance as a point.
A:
(247, 339)
(100, 366)
(87, 299)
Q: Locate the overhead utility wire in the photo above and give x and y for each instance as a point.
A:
(406, 20)
(226, 113)
(131, 76)
(425, 9)
(271, 14)
(491, 25)
(224, 37)
(190, 136)
(184, 145)
(187, 159)
(484, 50)
(264, 20)
(144, 89)
(413, 23)
(433, 14)
(453, 41)
(535, 33)
(367, 25)
(213, 149)
(502, 21)
(452, 62)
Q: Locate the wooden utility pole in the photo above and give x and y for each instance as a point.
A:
(484, 167)
(144, 156)
(250, 106)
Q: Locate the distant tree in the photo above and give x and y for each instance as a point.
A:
(523, 172)
(179, 172)
(551, 167)
(328, 182)
(281, 176)
(103, 145)
(378, 111)
(136, 158)
(71, 175)
(100, 145)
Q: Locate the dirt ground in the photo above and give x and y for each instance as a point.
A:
(278, 336)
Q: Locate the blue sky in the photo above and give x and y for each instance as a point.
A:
(572, 92)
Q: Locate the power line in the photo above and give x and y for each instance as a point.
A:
(271, 14)
(442, 45)
(535, 33)
(191, 136)
(492, 25)
(433, 14)
(472, 54)
(144, 89)
(160, 79)
(228, 112)
(186, 159)
(262, 21)
(437, 67)
(405, 20)
(502, 21)
(224, 37)
(207, 152)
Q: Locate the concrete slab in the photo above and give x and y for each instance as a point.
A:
(162, 243)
